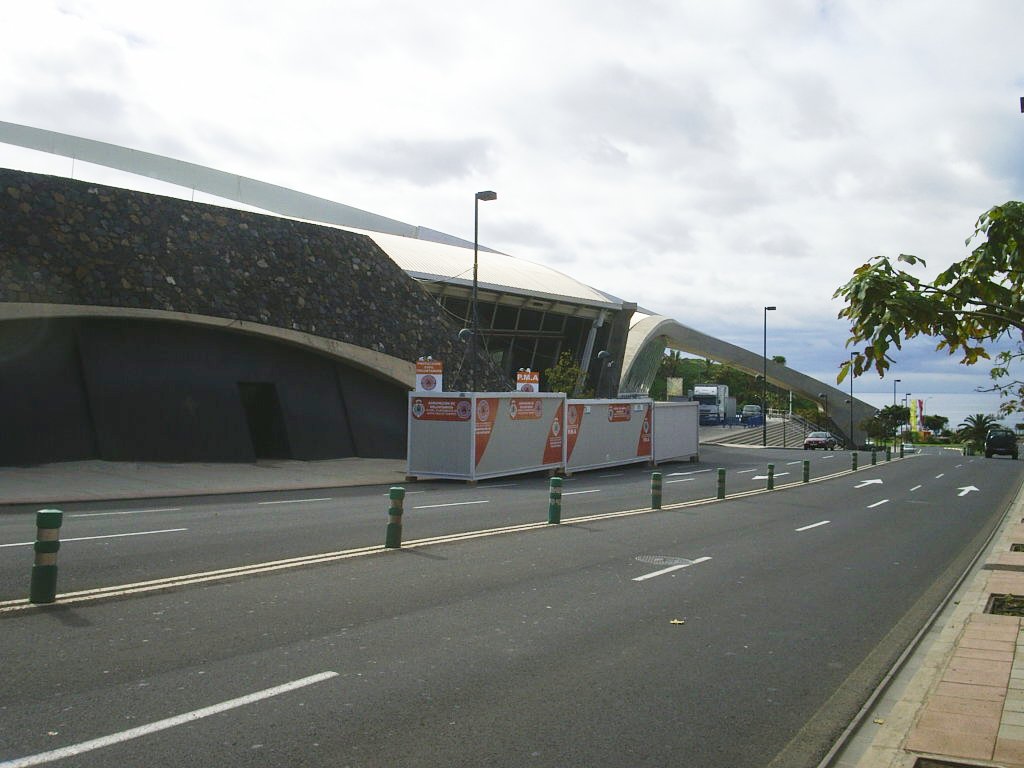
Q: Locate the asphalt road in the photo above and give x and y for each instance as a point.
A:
(123, 542)
(552, 646)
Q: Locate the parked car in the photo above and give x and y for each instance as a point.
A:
(1002, 442)
(823, 440)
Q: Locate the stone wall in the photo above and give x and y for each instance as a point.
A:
(69, 242)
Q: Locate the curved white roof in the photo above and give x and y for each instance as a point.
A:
(443, 262)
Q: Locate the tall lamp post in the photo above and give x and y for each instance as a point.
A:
(852, 440)
(895, 427)
(764, 381)
(475, 317)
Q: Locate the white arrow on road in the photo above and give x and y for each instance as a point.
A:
(765, 477)
(876, 481)
(967, 489)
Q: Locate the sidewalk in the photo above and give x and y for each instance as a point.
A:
(965, 703)
(106, 480)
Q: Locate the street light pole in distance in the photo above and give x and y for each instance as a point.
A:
(894, 427)
(764, 381)
(474, 314)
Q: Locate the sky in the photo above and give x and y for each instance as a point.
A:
(704, 160)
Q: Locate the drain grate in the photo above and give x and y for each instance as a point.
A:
(663, 560)
(927, 762)
(1005, 605)
(1017, 547)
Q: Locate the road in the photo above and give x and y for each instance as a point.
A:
(721, 634)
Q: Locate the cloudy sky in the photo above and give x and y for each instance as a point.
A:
(703, 159)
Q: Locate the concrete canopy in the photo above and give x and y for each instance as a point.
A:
(652, 334)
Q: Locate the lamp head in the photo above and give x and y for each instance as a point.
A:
(487, 195)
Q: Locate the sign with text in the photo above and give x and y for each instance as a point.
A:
(429, 376)
(441, 408)
(528, 381)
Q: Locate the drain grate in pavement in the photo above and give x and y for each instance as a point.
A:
(927, 762)
(1017, 547)
(663, 560)
(1005, 605)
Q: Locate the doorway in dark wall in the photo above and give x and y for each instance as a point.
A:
(266, 422)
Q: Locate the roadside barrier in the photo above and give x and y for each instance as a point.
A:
(771, 477)
(888, 452)
(655, 490)
(555, 501)
(853, 459)
(807, 471)
(721, 483)
(43, 588)
(393, 538)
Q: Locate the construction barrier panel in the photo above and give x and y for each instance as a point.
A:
(676, 432)
(608, 433)
(471, 436)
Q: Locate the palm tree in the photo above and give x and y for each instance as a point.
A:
(974, 428)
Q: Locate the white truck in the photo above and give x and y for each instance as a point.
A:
(715, 405)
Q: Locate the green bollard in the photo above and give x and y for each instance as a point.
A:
(901, 450)
(771, 477)
(43, 588)
(888, 453)
(807, 471)
(393, 538)
(555, 501)
(721, 483)
(655, 490)
(853, 458)
(874, 457)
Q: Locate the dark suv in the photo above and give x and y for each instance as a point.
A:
(1001, 441)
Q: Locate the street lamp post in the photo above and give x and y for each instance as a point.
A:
(852, 441)
(894, 425)
(764, 381)
(475, 316)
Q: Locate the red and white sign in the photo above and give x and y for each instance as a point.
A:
(553, 445)
(441, 408)
(620, 412)
(527, 381)
(486, 410)
(574, 420)
(429, 376)
(643, 446)
(525, 408)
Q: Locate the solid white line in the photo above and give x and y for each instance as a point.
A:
(656, 573)
(878, 503)
(453, 504)
(680, 480)
(292, 501)
(915, 487)
(813, 525)
(744, 471)
(92, 538)
(790, 463)
(573, 493)
(161, 725)
(126, 512)
(693, 472)
(827, 457)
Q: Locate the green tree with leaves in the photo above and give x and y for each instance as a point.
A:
(935, 423)
(974, 428)
(564, 375)
(972, 305)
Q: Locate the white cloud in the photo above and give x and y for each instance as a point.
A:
(702, 159)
